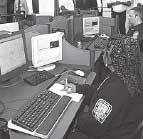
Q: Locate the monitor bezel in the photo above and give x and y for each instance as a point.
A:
(90, 17)
(35, 52)
(19, 70)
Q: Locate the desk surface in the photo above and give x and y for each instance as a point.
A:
(16, 96)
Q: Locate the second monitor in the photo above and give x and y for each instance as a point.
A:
(46, 49)
(90, 25)
(13, 58)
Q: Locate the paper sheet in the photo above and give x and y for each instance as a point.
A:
(58, 89)
(46, 7)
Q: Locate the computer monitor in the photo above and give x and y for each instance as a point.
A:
(90, 26)
(13, 59)
(46, 49)
(11, 27)
(86, 4)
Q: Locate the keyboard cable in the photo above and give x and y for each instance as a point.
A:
(2, 107)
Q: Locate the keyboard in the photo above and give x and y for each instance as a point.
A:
(38, 77)
(100, 43)
(40, 114)
(87, 39)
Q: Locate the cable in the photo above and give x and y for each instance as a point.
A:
(2, 107)
(64, 72)
(68, 71)
(11, 85)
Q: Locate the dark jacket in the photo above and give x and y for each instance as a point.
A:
(113, 113)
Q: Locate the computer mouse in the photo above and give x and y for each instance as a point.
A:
(79, 72)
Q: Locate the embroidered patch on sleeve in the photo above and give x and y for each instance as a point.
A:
(101, 110)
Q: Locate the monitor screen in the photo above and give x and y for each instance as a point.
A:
(46, 49)
(90, 25)
(13, 59)
(86, 4)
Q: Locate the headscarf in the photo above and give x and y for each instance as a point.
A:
(125, 57)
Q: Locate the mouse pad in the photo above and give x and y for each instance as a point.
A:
(88, 78)
(76, 79)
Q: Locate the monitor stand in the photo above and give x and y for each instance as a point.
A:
(10, 82)
(46, 67)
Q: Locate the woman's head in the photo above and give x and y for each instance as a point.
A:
(124, 56)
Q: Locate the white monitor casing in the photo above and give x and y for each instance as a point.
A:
(90, 25)
(46, 49)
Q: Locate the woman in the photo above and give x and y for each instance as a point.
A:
(21, 5)
(115, 107)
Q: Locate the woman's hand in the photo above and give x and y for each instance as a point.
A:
(68, 87)
(71, 88)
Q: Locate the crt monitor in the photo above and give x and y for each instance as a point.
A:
(90, 26)
(46, 49)
(13, 59)
(86, 4)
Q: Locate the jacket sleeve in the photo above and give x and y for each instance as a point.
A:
(86, 90)
(107, 105)
(100, 70)
(101, 73)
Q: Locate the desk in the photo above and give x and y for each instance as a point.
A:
(16, 96)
